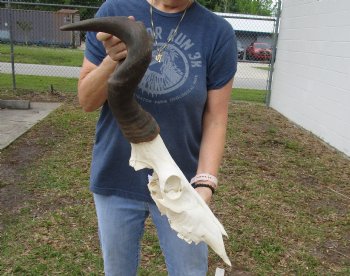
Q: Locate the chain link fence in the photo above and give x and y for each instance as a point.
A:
(32, 44)
(255, 47)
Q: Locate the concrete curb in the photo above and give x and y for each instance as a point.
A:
(16, 122)
(15, 104)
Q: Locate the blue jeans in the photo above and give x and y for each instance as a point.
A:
(121, 226)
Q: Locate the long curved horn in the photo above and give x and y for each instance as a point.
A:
(136, 124)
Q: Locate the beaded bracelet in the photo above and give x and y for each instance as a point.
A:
(205, 177)
(197, 185)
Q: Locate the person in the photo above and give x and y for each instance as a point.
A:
(186, 88)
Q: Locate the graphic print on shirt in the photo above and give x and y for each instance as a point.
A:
(167, 75)
(175, 76)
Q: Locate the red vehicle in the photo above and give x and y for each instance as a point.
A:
(259, 51)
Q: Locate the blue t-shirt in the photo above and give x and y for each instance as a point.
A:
(202, 56)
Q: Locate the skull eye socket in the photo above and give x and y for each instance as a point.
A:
(173, 187)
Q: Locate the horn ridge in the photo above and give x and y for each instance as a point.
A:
(136, 124)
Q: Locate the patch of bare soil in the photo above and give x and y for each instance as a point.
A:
(238, 272)
(18, 156)
(14, 162)
(52, 96)
(333, 251)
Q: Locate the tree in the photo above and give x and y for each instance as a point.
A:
(256, 7)
(55, 5)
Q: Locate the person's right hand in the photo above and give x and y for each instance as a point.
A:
(115, 48)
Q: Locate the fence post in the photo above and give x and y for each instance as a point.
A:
(11, 45)
(273, 57)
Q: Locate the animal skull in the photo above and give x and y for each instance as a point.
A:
(187, 212)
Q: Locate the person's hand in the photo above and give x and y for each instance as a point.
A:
(115, 48)
(205, 193)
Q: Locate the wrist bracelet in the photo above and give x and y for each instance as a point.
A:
(205, 177)
(197, 185)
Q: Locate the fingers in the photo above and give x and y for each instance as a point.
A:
(103, 36)
(115, 48)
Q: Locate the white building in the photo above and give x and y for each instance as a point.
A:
(251, 28)
(311, 81)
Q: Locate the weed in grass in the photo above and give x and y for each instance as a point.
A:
(293, 145)
(307, 265)
(267, 253)
(272, 130)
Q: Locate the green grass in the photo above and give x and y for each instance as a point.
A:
(42, 55)
(267, 68)
(38, 83)
(41, 83)
(69, 57)
(283, 200)
(250, 95)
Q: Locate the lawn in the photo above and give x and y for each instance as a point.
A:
(42, 55)
(39, 83)
(69, 85)
(283, 198)
(71, 57)
(266, 68)
(250, 95)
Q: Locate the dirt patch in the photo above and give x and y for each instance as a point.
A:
(16, 159)
(238, 272)
(12, 165)
(283, 199)
(335, 251)
(13, 196)
(51, 96)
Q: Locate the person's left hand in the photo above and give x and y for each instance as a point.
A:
(205, 193)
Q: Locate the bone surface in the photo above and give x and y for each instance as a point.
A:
(187, 212)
